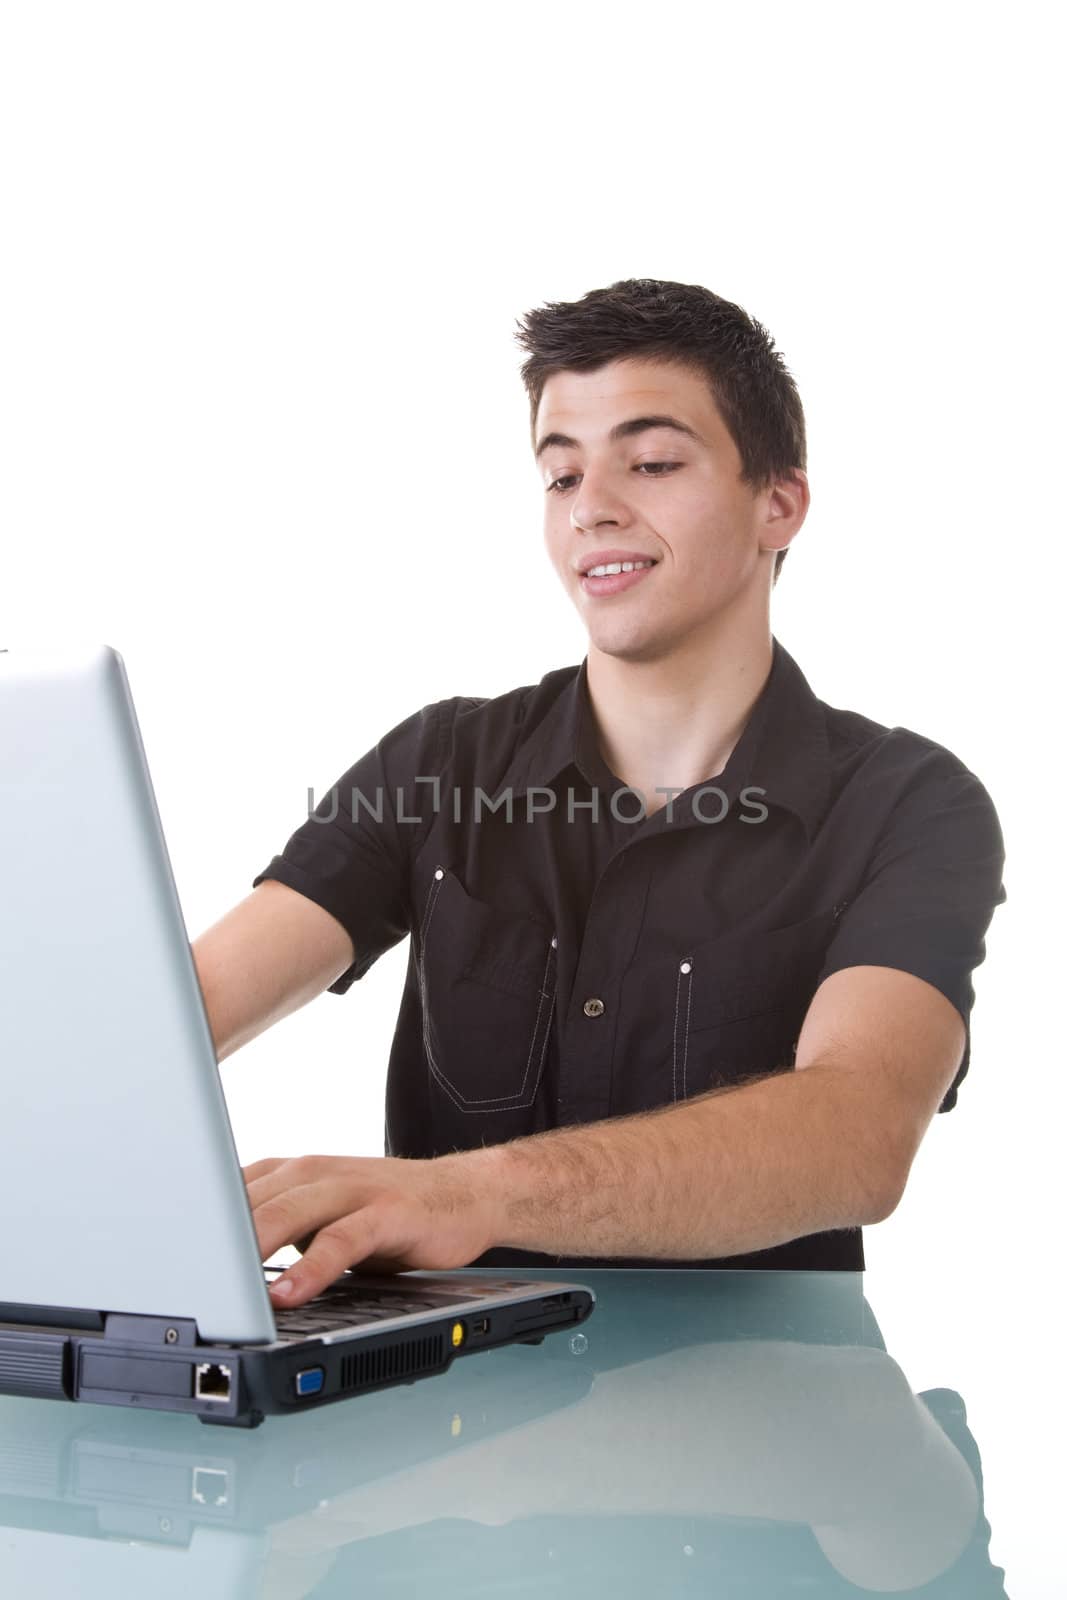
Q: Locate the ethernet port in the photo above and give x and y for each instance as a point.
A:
(213, 1382)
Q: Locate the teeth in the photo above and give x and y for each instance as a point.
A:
(616, 566)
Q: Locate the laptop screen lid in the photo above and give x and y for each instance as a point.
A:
(120, 1184)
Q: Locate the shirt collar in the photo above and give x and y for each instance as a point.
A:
(783, 749)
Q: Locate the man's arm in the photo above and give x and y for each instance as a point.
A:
(828, 1145)
(266, 958)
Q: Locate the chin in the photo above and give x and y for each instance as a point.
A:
(633, 647)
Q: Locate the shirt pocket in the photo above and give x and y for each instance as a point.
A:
(487, 984)
(739, 1003)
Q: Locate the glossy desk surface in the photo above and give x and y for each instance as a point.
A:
(705, 1433)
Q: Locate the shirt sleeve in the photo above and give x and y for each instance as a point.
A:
(928, 897)
(352, 854)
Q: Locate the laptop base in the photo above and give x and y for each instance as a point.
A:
(161, 1364)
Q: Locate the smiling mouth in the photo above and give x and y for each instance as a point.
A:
(616, 582)
(612, 569)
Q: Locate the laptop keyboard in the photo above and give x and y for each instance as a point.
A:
(347, 1306)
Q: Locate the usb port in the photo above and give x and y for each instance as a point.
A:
(481, 1326)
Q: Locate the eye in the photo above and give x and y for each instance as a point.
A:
(652, 469)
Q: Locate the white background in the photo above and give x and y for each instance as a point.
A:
(263, 432)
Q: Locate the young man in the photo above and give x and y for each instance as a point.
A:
(691, 950)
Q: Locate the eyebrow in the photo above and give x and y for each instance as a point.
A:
(622, 430)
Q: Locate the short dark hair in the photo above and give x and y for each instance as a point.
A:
(685, 323)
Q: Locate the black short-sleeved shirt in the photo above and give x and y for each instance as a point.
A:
(568, 966)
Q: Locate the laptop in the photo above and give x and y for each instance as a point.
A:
(100, 1501)
(131, 1272)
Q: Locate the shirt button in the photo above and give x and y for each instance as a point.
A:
(593, 1007)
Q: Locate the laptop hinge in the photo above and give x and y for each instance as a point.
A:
(112, 1324)
(168, 1331)
(64, 1317)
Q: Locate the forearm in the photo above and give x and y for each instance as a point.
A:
(730, 1172)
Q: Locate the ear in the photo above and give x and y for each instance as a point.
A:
(785, 505)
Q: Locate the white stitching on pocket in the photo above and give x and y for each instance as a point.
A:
(511, 1102)
(685, 970)
(435, 889)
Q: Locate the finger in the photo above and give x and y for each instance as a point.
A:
(387, 1264)
(344, 1243)
(296, 1173)
(300, 1210)
(260, 1169)
(273, 1183)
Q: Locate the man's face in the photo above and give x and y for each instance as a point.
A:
(673, 493)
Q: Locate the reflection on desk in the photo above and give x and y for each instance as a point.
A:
(706, 1433)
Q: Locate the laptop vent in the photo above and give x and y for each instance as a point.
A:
(409, 1359)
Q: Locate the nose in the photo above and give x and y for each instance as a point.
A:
(597, 504)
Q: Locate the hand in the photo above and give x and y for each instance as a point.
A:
(383, 1213)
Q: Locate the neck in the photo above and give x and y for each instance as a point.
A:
(674, 721)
